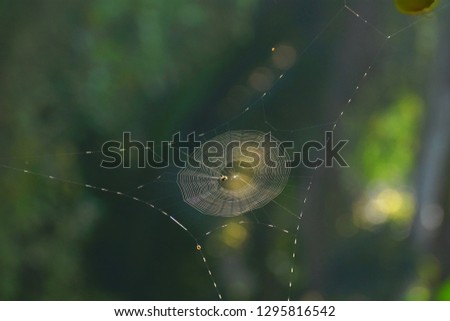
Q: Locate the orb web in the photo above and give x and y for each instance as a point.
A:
(236, 186)
(214, 192)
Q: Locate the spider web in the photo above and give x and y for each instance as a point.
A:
(217, 248)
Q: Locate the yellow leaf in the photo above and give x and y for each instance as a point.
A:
(414, 7)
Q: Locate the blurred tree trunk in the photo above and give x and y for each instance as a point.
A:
(435, 146)
(351, 62)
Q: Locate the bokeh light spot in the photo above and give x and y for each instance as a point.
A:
(234, 235)
(284, 56)
(261, 79)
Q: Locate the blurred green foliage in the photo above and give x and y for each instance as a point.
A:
(392, 138)
(75, 74)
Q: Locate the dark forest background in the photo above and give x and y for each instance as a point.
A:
(74, 74)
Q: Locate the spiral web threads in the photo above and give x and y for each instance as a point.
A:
(201, 187)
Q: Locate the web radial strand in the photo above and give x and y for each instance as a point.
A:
(238, 185)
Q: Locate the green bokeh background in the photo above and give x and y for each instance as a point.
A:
(75, 74)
